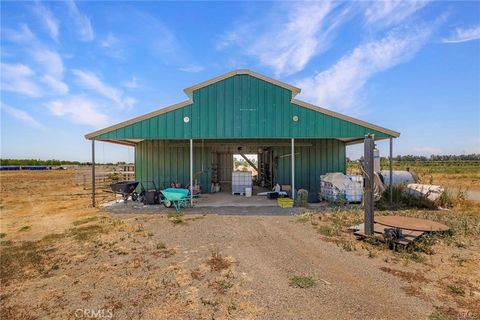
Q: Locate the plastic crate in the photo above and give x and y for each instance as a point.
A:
(285, 202)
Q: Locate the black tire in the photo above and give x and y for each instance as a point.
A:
(134, 196)
(167, 204)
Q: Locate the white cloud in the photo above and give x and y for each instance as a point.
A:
(82, 24)
(91, 81)
(50, 61)
(52, 64)
(291, 35)
(18, 78)
(390, 12)
(51, 23)
(109, 41)
(192, 68)
(22, 35)
(289, 38)
(463, 35)
(79, 110)
(339, 86)
(21, 115)
(132, 84)
(58, 86)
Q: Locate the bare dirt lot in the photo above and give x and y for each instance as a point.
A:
(61, 259)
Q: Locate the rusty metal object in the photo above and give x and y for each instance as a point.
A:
(408, 236)
(411, 223)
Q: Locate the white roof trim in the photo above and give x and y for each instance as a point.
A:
(287, 86)
(345, 117)
(139, 118)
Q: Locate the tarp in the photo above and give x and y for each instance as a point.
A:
(428, 191)
(339, 180)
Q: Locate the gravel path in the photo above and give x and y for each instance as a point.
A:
(272, 249)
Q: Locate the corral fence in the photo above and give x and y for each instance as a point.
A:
(104, 176)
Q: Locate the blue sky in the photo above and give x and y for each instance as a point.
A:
(68, 68)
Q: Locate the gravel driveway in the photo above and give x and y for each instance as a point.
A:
(272, 249)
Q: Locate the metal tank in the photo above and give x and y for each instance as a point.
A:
(376, 160)
(398, 177)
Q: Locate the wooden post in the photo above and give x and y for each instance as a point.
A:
(93, 173)
(293, 169)
(191, 172)
(369, 145)
(391, 170)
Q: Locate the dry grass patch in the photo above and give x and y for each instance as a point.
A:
(26, 260)
(176, 218)
(85, 220)
(87, 232)
(217, 262)
(405, 275)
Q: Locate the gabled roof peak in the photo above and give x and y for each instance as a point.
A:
(287, 86)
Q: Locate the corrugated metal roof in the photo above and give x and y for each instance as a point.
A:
(238, 105)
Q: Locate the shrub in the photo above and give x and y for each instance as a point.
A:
(302, 282)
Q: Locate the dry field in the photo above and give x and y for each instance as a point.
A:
(62, 259)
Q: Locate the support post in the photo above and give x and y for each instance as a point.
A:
(293, 169)
(391, 171)
(93, 173)
(191, 172)
(369, 145)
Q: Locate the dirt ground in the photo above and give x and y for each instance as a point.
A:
(60, 259)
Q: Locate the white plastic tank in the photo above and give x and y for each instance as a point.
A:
(398, 177)
(248, 192)
(376, 160)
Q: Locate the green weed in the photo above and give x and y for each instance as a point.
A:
(302, 282)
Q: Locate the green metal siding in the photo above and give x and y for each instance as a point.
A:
(325, 155)
(238, 107)
(169, 161)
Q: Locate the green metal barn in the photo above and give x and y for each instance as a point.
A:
(193, 142)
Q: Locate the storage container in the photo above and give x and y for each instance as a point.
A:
(240, 181)
(285, 202)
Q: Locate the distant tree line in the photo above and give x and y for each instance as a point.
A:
(463, 157)
(53, 162)
(37, 162)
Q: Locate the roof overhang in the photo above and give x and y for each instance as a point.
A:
(179, 105)
(123, 142)
(369, 125)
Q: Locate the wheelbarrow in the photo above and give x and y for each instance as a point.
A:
(149, 193)
(175, 197)
(126, 189)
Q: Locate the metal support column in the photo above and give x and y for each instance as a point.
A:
(93, 173)
(191, 172)
(391, 170)
(293, 169)
(368, 165)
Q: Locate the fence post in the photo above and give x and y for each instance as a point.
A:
(369, 145)
(93, 173)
